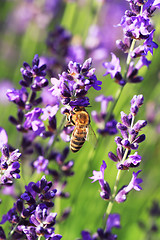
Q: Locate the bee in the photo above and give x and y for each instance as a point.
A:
(79, 118)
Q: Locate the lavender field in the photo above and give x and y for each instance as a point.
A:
(80, 119)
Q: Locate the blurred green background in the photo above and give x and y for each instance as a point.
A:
(23, 31)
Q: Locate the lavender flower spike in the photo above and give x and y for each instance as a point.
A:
(73, 85)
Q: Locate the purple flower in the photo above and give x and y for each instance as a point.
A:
(156, 3)
(65, 134)
(113, 221)
(72, 86)
(4, 86)
(2, 234)
(143, 61)
(19, 97)
(132, 161)
(9, 164)
(135, 26)
(3, 137)
(134, 184)
(34, 76)
(136, 102)
(42, 222)
(151, 5)
(99, 118)
(130, 139)
(49, 111)
(112, 67)
(110, 128)
(99, 176)
(86, 235)
(57, 86)
(33, 122)
(62, 50)
(149, 44)
(75, 53)
(48, 98)
(58, 41)
(41, 164)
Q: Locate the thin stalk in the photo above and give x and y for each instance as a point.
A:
(56, 135)
(110, 204)
(118, 94)
(128, 61)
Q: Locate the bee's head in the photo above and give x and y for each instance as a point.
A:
(78, 108)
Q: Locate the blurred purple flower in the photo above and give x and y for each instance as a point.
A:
(143, 61)
(48, 98)
(41, 165)
(99, 118)
(149, 44)
(104, 127)
(2, 234)
(113, 221)
(4, 86)
(3, 137)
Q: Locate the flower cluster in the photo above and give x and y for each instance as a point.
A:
(104, 126)
(72, 86)
(124, 158)
(34, 79)
(131, 137)
(30, 118)
(30, 216)
(9, 161)
(63, 167)
(61, 51)
(137, 27)
(33, 121)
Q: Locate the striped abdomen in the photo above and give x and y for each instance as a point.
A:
(78, 138)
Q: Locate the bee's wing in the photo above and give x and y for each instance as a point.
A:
(91, 136)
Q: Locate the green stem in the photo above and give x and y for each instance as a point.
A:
(13, 230)
(118, 94)
(110, 204)
(128, 61)
(130, 50)
(56, 135)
